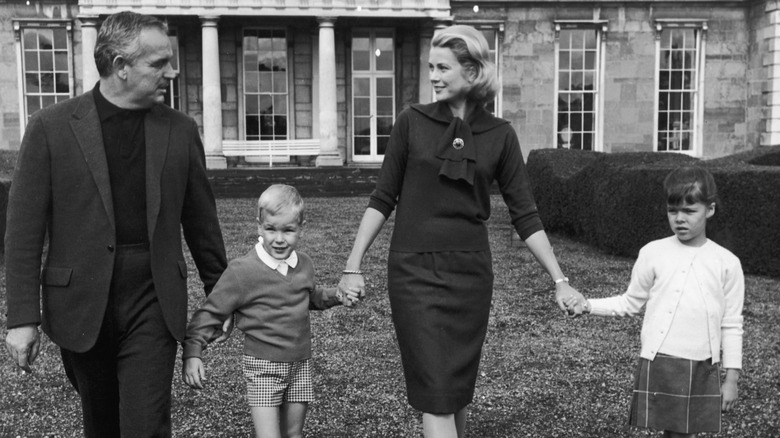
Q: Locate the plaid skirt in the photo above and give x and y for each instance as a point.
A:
(676, 395)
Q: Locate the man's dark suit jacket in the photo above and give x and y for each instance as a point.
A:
(61, 189)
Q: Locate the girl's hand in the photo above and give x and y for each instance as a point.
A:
(193, 372)
(729, 391)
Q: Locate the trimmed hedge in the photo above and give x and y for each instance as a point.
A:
(616, 201)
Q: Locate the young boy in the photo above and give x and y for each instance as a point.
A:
(271, 290)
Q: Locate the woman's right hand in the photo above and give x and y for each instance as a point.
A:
(354, 283)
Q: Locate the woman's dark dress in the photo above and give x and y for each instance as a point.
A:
(437, 175)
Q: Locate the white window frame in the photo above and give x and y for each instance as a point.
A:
(19, 25)
(601, 28)
(372, 75)
(242, 85)
(697, 100)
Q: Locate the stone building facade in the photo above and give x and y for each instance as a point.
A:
(319, 82)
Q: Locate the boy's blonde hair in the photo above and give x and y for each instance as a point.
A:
(277, 198)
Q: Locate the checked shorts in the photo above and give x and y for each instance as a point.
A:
(273, 383)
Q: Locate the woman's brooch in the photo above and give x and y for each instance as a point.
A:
(458, 144)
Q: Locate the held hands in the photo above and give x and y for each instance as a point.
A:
(569, 300)
(23, 344)
(352, 288)
(193, 373)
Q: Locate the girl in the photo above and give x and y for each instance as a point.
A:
(439, 165)
(694, 290)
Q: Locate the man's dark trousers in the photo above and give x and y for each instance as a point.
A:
(124, 381)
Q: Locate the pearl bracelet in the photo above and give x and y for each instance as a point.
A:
(352, 272)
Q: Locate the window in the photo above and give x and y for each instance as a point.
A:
(44, 50)
(578, 65)
(679, 74)
(373, 92)
(173, 96)
(265, 84)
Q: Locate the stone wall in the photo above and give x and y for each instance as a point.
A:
(528, 69)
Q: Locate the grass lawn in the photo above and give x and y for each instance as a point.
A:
(542, 374)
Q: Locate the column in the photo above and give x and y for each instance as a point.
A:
(771, 90)
(89, 31)
(329, 152)
(212, 95)
(426, 89)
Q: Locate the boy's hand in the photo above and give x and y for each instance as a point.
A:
(729, 390)
(193, 373)
(348, 298)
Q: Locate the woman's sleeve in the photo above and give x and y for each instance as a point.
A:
(391, 176)
(516, 188)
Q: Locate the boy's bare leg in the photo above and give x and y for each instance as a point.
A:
(266, 421)
(293, 416)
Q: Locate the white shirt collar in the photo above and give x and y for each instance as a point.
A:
(277, 265)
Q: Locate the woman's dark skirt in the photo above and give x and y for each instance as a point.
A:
(440, 303)
(676, 395)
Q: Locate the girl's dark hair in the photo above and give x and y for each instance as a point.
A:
(119, 36)
(690, 184)
(473, 52)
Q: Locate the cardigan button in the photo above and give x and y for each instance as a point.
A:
(110, 248)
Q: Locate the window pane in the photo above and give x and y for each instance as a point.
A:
(251, 82)
(362, 106)
(384, 106)
(47, 61)
(61, 61)
(251, 105)
(384, 54)
(31, 61)
(384, 125)
(62, 85)
(280, 82)
(362, 87)
(362, 145)
(280, 104)
(384, 87)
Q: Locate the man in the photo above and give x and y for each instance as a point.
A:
(106, 182)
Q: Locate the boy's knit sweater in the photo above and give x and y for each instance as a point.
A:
(271, 309)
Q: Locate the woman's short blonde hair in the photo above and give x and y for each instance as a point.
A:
(472, 51)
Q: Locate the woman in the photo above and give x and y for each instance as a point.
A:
(439, 165)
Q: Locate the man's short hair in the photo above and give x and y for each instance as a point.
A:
(119, 36)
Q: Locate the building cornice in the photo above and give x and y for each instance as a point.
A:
(274, 8)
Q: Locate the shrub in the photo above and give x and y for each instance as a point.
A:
(616, 201)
